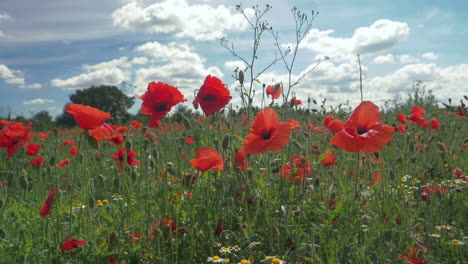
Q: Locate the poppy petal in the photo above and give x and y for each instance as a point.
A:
(366, 113)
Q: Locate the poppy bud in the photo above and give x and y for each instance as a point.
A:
(241, 77)
(55, 131)
(195, 106)
(225, 143)
(128, 146)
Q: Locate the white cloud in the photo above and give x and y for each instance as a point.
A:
(406, 59)
(31, 86)
(15, 77)
(170, 52)
(430, 56)
(4, 17)
(140, 60)
(38, 101)
(5, 72)
(232, 65)
(198, 21)
(122, 61)
(381, 35)
(105, 76)
(384, 59)
(444, 82)
(15, 81)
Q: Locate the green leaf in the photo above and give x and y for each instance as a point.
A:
(324, 155)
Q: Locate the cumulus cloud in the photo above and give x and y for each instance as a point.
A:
(406, 59)
(198, 21)
(232, 65)
(12, 77)
(173, 63)
(5, 72)
(140, 61)
(120, 62)
(443, 81)
(107, 76)
(430, 56)
(170, 52)
(38, 101)
(381, 35)
(31, 86)
(4, 17)
(384, 59)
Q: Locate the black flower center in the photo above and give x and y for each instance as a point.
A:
(160, 106)
(266, 135)
(208, 97)
(361, 130)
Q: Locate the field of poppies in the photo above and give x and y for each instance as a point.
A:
(297, 183)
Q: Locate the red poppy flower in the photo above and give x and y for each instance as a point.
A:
(103, 131)
(295, 125)
(14, 136)
(32, 149)
(63, 163)
(267, 133)
(240, 160)
(87, 117)
(402, 118)
(458, 173)
(418, 109)
(158, 101)
(4, 123)
(415, 117)
(335, 126)
(135, 124)
(274, 90)
(72, 243)
(212, 96)
(411, 256)
(401, 129)
(68, 143)
(329, 159)
(131, 158)
(433, 189)
(298, 169)
(43, 135)
(37, 162)
(73, 151)
(295, 102)
(245, 120)
(328, 119)
(461, 112)
(116, 139)
(362, 131)
(189, 140)
(375, 179)
(206, 159)
(435, 124)
(136, 237)
(45, 209)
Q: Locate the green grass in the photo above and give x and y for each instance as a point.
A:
(261, 213)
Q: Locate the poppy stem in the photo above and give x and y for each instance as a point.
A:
(360, 77)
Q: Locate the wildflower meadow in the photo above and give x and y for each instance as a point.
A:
(291, 181)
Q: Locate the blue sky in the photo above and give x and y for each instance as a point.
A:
(50, 48)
